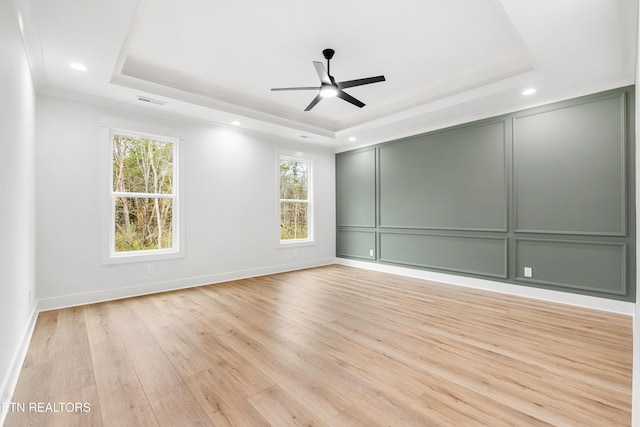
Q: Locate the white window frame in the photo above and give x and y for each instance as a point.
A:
(309, 240)
(109, 255)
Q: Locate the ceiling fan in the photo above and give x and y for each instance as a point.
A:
(329, 87)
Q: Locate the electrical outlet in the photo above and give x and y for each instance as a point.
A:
(30, 297)
(150, 269)
(370, 252)
(528, 272)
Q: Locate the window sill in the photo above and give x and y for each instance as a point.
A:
(295, 243)
(141, 256)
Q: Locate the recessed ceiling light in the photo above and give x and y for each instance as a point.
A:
(77, 66)
(352, 138)
(529, 91)
(235, 123)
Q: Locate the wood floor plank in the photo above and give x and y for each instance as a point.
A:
(43, 341)
(173, 303)
(306, 389)
(323, 340)
(259, 325)
(281, 409)
(247, 378)
(458, 405)
(34, 386)
(122, 398)
(204, 307)
(361, 401)
(100, 327)
(171, 401)
(78, 408)
(331, 346)
(224, 399)
(128, 324)
(187, 358)
(72, 366)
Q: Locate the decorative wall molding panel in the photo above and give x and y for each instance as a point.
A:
(542, 198)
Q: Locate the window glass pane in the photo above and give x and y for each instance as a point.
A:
(143, 224)
(142, 165)
(294, 179)
(293, 220)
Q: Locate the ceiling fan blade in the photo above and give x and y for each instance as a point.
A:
(360, 82)
(295, 88)
(344, 95)
(313, 103)
(322, 73)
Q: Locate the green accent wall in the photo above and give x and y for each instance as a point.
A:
(550, 189)
(570, 169)
(461, 254)
(357, 190)
(453, 180)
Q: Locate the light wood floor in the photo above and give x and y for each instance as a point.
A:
(332, 346)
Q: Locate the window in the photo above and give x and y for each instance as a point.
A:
(144, 206)
(295, 200)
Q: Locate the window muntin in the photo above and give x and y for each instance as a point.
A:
(143, 195)
(295, 200)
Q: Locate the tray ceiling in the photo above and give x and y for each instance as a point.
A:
(443, 60)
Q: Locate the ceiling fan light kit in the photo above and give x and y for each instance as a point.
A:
(328, 91)
(329, 87)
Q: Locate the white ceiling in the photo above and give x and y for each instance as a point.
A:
(445, 61)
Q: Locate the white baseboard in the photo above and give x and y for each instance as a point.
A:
(155, 287)
(603, 304)
(10, 381)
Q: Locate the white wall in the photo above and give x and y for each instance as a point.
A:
(231, 201)
(17, 208)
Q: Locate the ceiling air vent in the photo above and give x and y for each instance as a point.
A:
(150, 100)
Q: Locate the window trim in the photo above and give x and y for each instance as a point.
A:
(109, 255)
(310, 239)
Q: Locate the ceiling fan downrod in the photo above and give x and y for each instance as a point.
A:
(328, 54)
